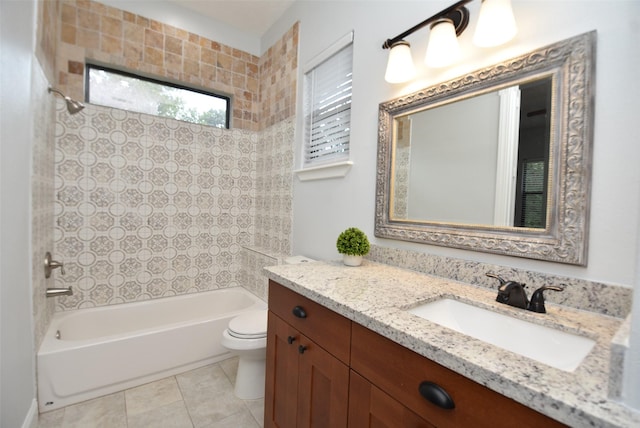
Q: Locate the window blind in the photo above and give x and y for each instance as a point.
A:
(533, 204)
(328, 109)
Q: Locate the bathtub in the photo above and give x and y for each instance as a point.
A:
(108, 349)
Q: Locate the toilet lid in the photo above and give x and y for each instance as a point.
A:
(250, 325)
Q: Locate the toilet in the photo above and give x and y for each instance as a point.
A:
(246, 336)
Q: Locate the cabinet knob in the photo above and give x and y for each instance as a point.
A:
(299, 312)
(290, 340)
(301, 349)
(435, 394)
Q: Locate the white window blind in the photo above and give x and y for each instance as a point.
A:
(328, 107)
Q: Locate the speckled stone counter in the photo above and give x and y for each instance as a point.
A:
(377, 296)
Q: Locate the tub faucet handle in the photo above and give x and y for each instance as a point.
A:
(50, 264)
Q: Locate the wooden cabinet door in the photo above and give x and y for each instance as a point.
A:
(281, 381)
(306, 386)
(369, 407)
(323, 388)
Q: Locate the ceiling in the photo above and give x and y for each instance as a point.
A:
(251, 16)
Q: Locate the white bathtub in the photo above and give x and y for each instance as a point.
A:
(112, 348)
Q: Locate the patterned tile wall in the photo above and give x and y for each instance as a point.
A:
(149, 207)
(274, 188)
(402, 161)
(274, 195)
(93, 31)
(253, 261)
(42, 191)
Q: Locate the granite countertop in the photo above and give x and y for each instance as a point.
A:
(377, 296)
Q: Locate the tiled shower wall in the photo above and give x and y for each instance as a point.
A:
(126, 240)
(278, 79)
(42, 174)
(274, 197)
(149, 207)
(42, 191)
(274, 188)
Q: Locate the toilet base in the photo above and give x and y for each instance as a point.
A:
(250, 377)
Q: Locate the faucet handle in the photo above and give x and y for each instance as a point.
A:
(50, 264)
(493, 275)
(537, 298)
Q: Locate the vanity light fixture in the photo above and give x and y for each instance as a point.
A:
(443, 48)
(496, 25)
(400, 67)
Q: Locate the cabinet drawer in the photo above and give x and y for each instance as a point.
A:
(325, 327)
(399, 372)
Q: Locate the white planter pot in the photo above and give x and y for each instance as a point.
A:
(351, 260)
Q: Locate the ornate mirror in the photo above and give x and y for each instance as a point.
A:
(498, 160)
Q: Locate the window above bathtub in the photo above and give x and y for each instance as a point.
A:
(118, 89)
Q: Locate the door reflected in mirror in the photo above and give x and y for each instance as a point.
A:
(483, 160)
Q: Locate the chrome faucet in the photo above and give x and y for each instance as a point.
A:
(513, 293)
(63, 291)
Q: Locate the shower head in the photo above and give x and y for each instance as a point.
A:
(73, 106)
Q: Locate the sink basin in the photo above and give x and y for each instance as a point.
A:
(559, 349)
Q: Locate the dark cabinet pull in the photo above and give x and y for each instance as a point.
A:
(301, 349)
(299, 312)
(290, 340)
(436, 395)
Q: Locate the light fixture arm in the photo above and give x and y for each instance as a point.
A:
(456, 12)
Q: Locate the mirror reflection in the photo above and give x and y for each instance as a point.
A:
(490, 152)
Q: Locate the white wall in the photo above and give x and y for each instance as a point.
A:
(17, 373)
(452, 177)
(323, 208)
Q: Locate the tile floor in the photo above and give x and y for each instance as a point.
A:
(201, 398)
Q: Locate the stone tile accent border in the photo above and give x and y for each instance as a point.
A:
(582, 294)
(95, 32)
(278, 78)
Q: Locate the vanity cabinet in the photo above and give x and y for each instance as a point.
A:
(370, 407)
(399, 372)
(325, 371)
(308, 350)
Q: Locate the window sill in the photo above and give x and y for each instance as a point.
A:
(334, 170)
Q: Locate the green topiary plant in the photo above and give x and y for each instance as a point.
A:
(353, 242)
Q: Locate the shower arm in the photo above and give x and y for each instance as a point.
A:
(73, 106)
(57, 92)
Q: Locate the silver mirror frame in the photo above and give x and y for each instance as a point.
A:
(565, 238)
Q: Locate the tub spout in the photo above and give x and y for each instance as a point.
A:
(52, 292)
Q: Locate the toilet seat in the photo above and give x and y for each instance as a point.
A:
(250, 325)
